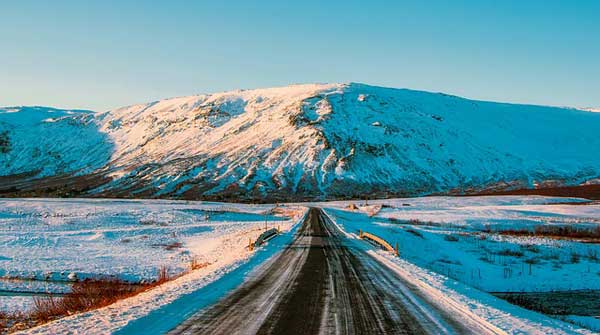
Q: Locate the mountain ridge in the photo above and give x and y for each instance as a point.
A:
(298, 142)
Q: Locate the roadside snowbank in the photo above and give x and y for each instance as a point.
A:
(465, 301)
(229, 253)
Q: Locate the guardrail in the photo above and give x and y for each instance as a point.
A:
(376, 239)
(264, 237)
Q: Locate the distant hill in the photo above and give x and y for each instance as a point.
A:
(300, 142)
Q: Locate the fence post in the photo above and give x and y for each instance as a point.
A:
(361, 234)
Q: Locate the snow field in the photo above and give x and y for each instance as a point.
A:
(46, 243)
(451, 245)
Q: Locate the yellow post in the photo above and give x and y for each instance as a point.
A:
(278, 230)
(361, 234)
(250, 247)
(396, 249)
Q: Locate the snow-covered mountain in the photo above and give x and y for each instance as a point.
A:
(294, 143)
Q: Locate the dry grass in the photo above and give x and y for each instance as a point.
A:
(414, 232)
(581, 191)
(84, 296)
(509, 252)
(414, 222)
(173, 246)
(451, 238)
(196, 264)
(552, 231)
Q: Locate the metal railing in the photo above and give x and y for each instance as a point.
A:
(380, 241)
(264, 237)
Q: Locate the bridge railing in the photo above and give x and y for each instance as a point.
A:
(380, 241)
(264, 237)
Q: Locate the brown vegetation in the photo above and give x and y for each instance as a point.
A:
(554, 231)
(84, 296)
(591, 192)
(196, 264)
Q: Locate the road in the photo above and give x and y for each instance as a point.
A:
(321, 284)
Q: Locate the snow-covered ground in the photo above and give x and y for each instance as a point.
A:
(453, 244)
(459, 269)
(458, 238)
(45, 243)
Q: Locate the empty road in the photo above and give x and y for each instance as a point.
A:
(320, 284)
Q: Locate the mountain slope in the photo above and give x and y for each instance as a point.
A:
(301, 142)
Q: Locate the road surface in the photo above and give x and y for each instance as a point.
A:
(321, 284)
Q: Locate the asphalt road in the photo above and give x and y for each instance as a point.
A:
(320, 284)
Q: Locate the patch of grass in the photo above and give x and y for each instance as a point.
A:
(163, 275)
(592, 255)
(84, 296)
(533, 304)
(531, 248)
(414, 232)
(196, 264)
(148, 222)
(414, 222)
(509, 252)
(5, 145)
(575, 258)
(448, 261)
(169, 246)
(556, 231)
(450, 238)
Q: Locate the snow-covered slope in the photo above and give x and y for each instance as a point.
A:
(309, 141)
(42, 141)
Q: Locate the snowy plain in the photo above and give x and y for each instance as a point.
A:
(462, 269)
(458, 236)
(47, 243)
(454, 244)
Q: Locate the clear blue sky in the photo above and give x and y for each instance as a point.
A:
(104, 54)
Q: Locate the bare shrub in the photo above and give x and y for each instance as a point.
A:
(163, 274)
